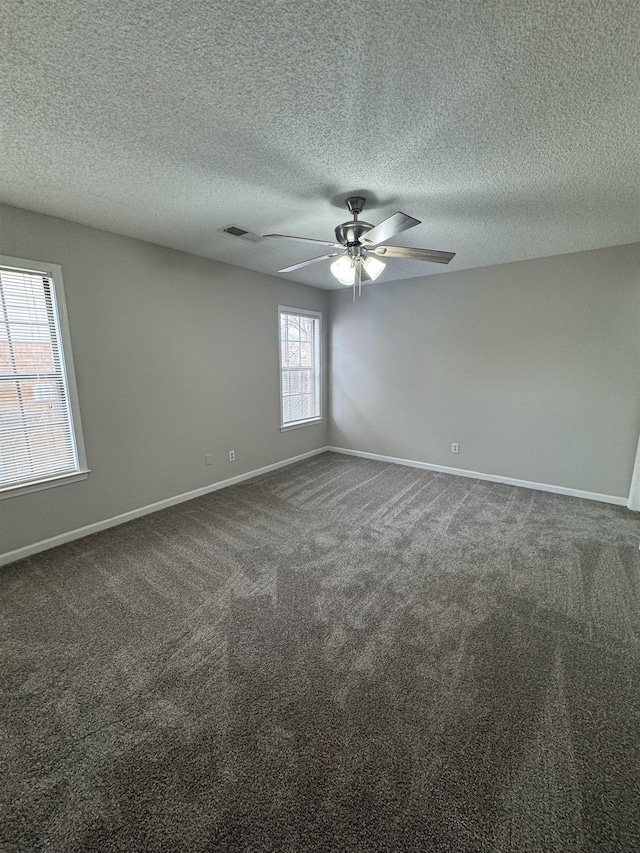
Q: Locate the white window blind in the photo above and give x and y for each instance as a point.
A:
(300, 366)
(37, 439)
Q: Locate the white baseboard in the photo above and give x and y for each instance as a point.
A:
(493, 478)
(78, 533)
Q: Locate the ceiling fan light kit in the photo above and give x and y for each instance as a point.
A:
(359, 241)
(344, 269)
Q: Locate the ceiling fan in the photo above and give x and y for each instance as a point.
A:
(358, 258)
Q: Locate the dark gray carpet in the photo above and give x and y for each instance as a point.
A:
(344, 655)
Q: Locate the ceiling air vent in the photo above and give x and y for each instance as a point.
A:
(235, 231)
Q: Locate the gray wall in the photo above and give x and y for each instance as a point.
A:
(533, 367)
(175, 356)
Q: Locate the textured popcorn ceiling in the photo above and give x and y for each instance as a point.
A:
(509, 128)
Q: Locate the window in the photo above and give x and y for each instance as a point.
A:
(40, 438)
(299, 367)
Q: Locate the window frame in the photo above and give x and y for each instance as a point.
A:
(54, 272)
(315, 315)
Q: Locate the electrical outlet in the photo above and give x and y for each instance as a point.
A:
(208, 458)
(232, 456)
(455, 447)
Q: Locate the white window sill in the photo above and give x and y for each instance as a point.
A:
(298, 424)
(61, 480)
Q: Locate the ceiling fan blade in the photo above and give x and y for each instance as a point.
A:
(432, 255)
(304, 240)
(388, 228)
(306, 263)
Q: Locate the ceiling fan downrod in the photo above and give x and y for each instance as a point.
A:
(350, 233)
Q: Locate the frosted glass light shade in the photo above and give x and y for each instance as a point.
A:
(374, 267)
(343, 269)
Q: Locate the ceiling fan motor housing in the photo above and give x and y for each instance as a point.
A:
(350, 233)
